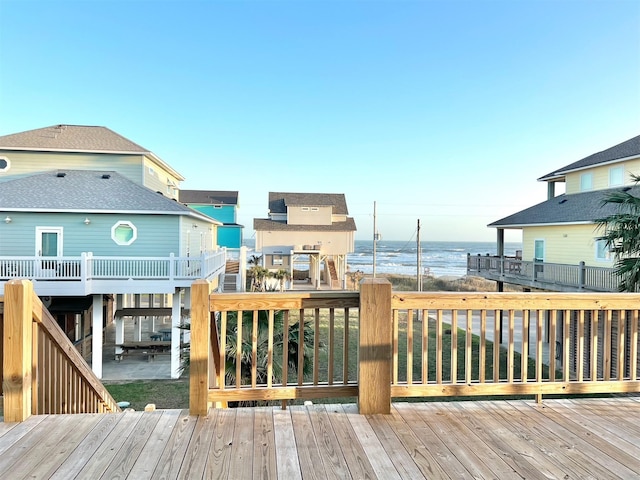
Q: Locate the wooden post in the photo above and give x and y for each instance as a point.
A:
(374, 366)
(199, 357)
(17, 343)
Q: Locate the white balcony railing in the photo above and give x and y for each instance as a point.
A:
(89, 274)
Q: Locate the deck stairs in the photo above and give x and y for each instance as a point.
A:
(231, 272)
(333, 274)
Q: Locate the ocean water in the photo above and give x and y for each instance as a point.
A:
(399, 257)
(438, 258)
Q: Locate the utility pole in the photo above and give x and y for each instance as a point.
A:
(419, 262)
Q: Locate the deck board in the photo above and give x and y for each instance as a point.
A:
(569, 438)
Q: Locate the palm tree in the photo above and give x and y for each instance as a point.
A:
(262, 346)
(246, 347)
(622, 236)
(282, 276)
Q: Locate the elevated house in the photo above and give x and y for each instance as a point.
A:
(221, 206)
(312, 230)
(561, 249)
(93, 220)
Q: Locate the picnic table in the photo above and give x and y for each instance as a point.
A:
(149, 348)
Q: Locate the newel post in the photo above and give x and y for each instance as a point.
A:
(374, 364)
(199, 356)
(17, 350)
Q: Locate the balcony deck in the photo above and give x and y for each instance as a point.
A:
(568, 438)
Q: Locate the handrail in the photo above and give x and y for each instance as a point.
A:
(412, 344)
(89, 267)
(554, 343)
(578, 277)
(43, 372)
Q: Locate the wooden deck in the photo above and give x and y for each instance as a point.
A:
(578, 438)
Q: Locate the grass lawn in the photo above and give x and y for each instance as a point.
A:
(164, 393)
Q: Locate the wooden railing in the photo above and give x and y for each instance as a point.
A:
(43, 373)
(410, 345)
(545, 275)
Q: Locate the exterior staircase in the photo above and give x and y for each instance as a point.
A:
(231, 272)
(333, 274)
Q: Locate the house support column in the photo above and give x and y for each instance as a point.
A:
(119, 325)
(96, 340)
(137, 321)
(175, 334)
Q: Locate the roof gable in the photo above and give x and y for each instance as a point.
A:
(209, 197)
(629, 148)
(71, 138)
(583, 207)
(279, 201)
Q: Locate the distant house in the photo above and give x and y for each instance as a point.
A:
(93, 220)
(221, 206)
(310, 229)
(562, 230)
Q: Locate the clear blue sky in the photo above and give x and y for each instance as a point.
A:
(443, 111)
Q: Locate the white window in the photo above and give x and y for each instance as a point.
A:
(277, 260)
(4, 164)
(616, 176)
(124, 233)
(315, 209)
(586, 182)
(151, 171)
(603, 252)
(305, 209)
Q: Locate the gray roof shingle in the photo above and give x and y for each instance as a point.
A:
(262, 224)
(85, 190)
(278, 201)
(629, 148)
(575, 208)
(71, 137)
(209, 197)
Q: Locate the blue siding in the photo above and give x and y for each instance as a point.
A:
(157, 235)
(224, 214)
(230, 236)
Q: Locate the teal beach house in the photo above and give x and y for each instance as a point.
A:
(93, 220)
(221, 206)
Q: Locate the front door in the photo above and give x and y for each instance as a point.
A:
(48, 246)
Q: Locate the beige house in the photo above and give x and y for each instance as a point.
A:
(307, 232)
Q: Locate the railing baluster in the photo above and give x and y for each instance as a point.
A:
(454, 346)
(316, 347)
(409, 347)
(301, 347)
(395, 366)
(254, 350)
(331, 346)
(239, 345)
(425, 346)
